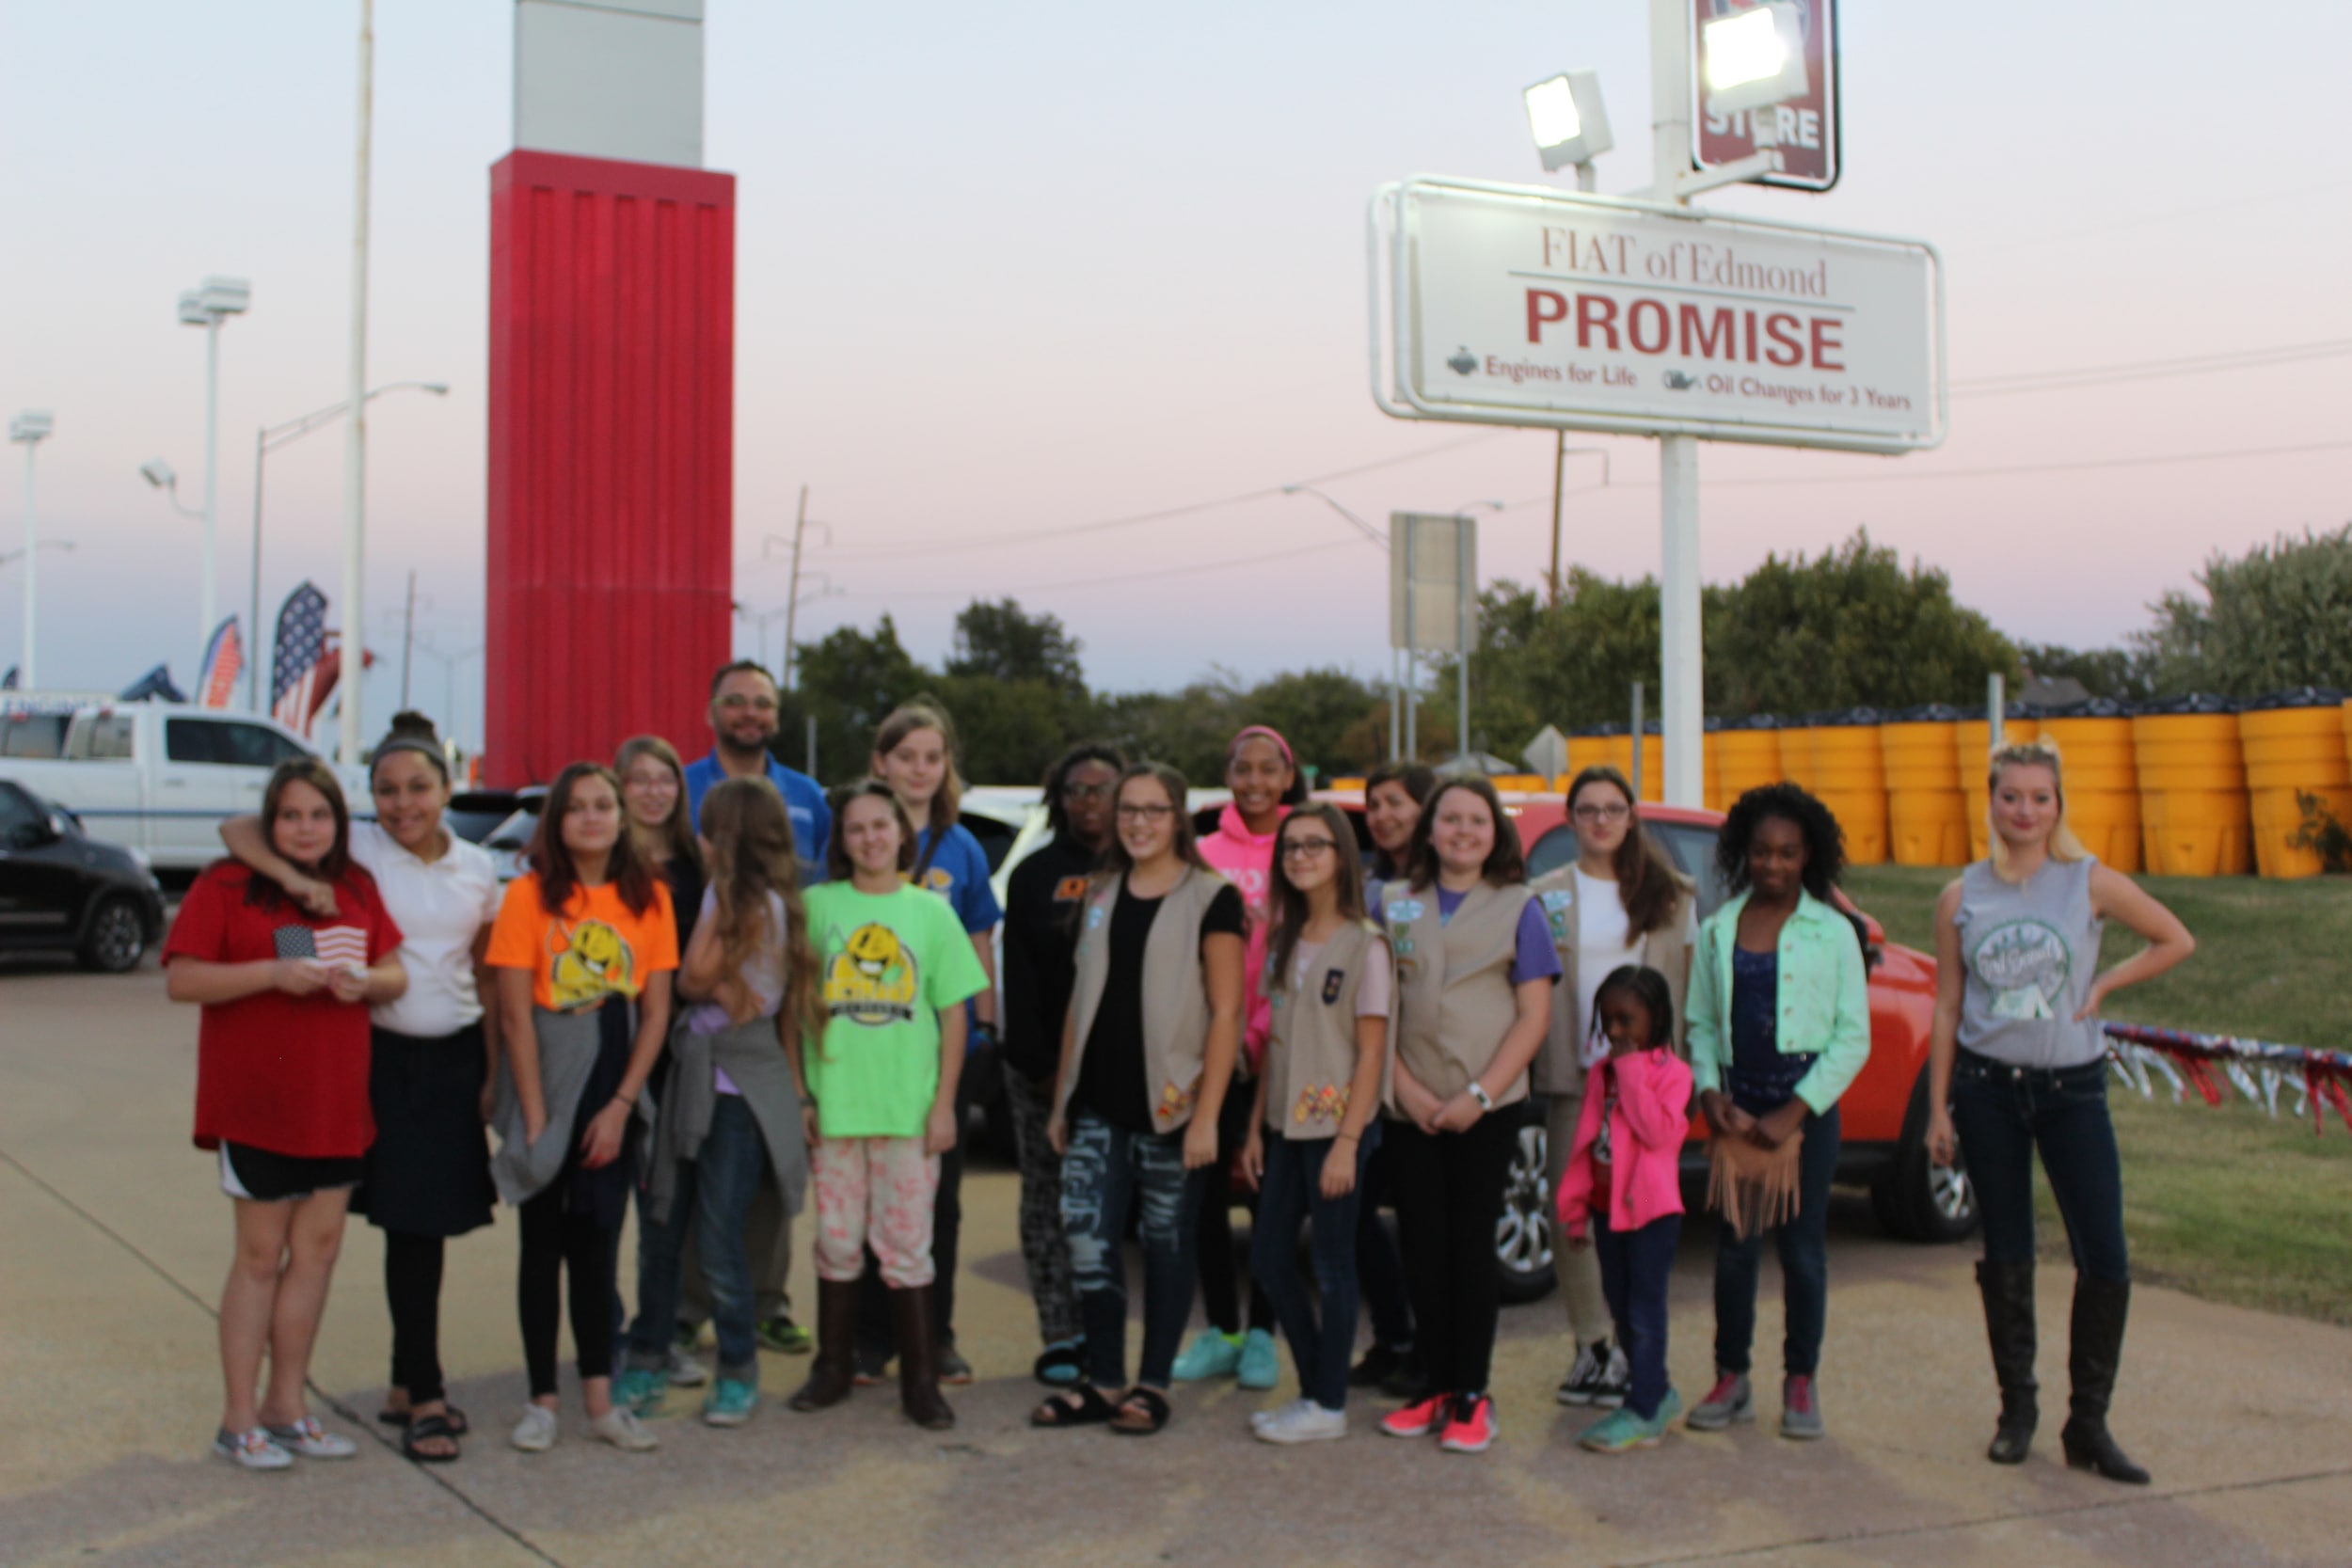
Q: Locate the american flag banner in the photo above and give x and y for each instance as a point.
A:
(224, 662)
(302, 674)
(333, 945)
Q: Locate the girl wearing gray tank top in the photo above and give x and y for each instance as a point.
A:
(2017, 1065)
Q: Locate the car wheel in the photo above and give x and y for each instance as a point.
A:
(1918, 1199)
(117, 939)
(1523, 1235)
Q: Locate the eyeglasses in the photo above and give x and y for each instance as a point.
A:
(737, 704)
(1145, 814)
(1307, 849)
(1087, 791)
(1615, 812)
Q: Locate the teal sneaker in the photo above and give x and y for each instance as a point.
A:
(1259, 1366)
(1210, 1354)
(1621, 1431)
(642, 1389)
(730, 1404)
(1670, 1408)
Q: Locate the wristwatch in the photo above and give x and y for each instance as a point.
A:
(1478, 1091)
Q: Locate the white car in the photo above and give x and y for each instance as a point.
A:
(158, 777)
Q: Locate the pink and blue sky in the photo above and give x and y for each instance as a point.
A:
(1005, 269)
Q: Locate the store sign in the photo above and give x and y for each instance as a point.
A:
(1529, 307)
(1803, 130)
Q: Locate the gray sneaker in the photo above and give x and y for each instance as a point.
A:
(684, 1371)
(1800, 1409)
(1731, 1400)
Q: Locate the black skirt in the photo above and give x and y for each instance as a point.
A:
(429, 1172)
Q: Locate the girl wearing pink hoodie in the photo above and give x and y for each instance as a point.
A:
(1624, 1180)
(1265, 781)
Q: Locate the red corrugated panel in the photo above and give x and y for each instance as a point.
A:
(611, 459)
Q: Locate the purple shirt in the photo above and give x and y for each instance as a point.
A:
(1533, 958)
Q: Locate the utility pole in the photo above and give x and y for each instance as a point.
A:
(1559, 468)
(792, 598)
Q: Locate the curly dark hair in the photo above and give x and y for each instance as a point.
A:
(1824, 840)
(1057, 814)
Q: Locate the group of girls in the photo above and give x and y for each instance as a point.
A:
(1375, 1033)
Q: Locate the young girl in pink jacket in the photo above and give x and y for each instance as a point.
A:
(1624, 1181)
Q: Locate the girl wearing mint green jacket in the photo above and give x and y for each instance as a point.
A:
(1779, 1026)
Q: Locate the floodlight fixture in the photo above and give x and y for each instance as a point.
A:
(1566, 116)
(1754, 58)
(33, 424)
(158, 473)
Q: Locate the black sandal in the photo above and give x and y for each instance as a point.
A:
(458, 1426)
(1154, 1409)
(1089, 1409)
(425, 1430)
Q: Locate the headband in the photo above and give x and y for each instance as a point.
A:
(1280, 744)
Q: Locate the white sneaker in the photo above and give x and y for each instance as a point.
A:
(535, 1432)
(685, 1372)
(312, 1441)
(251, 1451)
(622, 1429)
(1305, 1422)
(1258, 1419)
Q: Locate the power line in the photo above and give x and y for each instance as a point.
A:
(1192, 569)
(2150, 370)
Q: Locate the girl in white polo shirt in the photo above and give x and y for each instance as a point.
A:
(433, 1052)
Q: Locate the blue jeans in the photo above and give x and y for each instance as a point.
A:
(1293, 1191)
(1803, 1247)
(1635, 1265)
(2003, 1114)
(1107, 1169)
(714, 1196)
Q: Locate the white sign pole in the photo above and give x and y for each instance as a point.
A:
(1681, 687)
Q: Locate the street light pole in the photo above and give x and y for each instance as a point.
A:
(1681, 684)
(28, 430)
(208, 305)
(354, 652)
(792, 598)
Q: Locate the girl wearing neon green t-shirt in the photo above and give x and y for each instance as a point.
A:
(880, 1090)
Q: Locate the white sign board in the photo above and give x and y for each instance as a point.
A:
(1530, 306)
(1433, 577)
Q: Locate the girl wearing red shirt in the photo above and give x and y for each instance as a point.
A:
(281, 1092)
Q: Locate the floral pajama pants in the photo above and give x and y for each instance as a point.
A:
(878, 1192)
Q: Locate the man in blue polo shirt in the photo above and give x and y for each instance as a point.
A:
(742, 722)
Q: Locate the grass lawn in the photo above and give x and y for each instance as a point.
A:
(2222, 1201)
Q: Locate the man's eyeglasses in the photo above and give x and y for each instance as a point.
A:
(737, 704)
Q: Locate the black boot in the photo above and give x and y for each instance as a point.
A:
(2101, 1307)
(831, 1373)
(918, 1360)
(2009, 1326)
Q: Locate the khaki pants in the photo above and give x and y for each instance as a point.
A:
(1578, 1269)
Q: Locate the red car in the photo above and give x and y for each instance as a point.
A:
(1883, 1115)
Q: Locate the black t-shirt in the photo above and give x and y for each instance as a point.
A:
(1110, 1076)
(1043, 900)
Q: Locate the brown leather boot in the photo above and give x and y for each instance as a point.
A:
(832, 1373)
(918, 1360)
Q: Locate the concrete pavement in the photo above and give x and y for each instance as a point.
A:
(114, 1238)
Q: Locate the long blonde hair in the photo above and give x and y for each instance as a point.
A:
(752, 856)
(904, 721)
(2064, 846)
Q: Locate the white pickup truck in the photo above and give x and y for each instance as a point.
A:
(155, 777)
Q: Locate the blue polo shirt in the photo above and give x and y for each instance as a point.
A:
(959, 873)
(812, 819)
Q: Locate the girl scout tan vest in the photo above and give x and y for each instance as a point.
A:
(1175, 992)
(1454, 997)
(1559, 1065)
(1311, 1055)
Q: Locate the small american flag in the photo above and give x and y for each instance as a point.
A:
(302, 676)
(333, 945)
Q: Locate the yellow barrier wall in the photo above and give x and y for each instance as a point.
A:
(1796, 755)
(1849, 777)
(2291, 752)
(1745, 760)
(1926, 812)
(2102, 785)
(2193, 804)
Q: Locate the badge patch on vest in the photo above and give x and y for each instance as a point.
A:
(1331, 984)
(1406, 910)
(1069, 889)
(1174, 1101)
(1557, 904)
(1327, 1103)
(1094, 918)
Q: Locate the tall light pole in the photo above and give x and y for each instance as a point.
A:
(29, 429)
(1681, 697)
(355, 668)
(269, 440)
(209, 304)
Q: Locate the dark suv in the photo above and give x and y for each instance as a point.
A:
(63, 891)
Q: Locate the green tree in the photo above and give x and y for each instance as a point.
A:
(2278, 616)
(848, 681)
(2122, 673)
(1335, 723)
(1000, 642)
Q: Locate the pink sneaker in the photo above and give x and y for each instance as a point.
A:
(1472, 1428)
(1419, 1418)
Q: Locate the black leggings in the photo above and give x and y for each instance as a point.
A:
(1220, 1262)
(557, 1239)
(1449, 1199)
(412, 1287)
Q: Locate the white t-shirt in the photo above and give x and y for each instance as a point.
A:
(1604, 942)
(440, 907)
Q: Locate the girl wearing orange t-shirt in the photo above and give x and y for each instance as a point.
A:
(584, 948)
